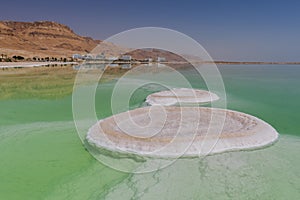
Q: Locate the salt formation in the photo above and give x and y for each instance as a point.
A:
(180, 131)
(181, 96)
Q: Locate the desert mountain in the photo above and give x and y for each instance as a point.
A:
(42, 39)
(51, 39)
(110, 49)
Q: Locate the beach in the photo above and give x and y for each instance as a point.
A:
(32, 64)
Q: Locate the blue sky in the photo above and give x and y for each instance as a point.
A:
(254, 30)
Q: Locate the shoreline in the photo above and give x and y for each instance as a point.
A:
(202, 62)
(4, 65)
(253, 63)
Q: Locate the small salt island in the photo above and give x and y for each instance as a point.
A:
(180, 131)
(183, 96)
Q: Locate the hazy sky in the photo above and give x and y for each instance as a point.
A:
(227, 29)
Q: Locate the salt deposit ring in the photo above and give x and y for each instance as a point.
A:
(182, 96)
(183, 132)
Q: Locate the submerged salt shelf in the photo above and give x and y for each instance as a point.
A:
(182, 131)
(181, 96)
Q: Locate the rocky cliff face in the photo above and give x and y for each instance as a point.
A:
(51, 39)
(42, 39)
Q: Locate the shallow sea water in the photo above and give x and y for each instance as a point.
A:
(42, 156)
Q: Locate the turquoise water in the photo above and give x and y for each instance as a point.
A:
(42, 157)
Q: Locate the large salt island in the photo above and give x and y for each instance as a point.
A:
(181, 96)
(180, 131)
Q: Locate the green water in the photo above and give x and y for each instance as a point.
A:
(41, 156)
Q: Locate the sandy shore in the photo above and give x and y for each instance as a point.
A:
(181, 96)
(31, 64)
(180, 131)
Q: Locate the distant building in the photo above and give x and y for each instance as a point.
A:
(100, 56)
(88, 57)
(161, 59)
(112, 58)
(149, 60)
(126, 57)
(77, 56)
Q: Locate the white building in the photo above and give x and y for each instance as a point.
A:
(100, 57)
(149, 60)
(161, 59)
(112, 58)
(88, 57)
(77, 56)
(126, 57)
